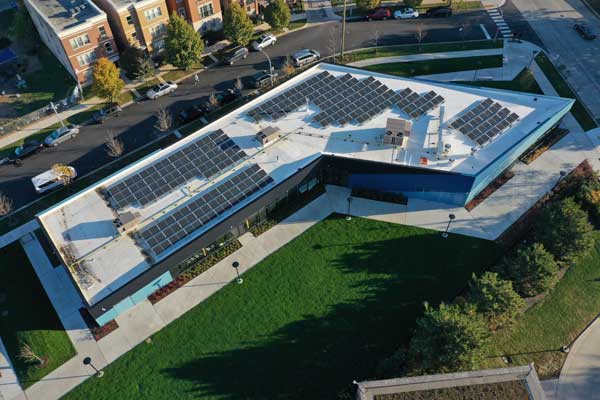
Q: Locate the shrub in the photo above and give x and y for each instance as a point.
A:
(412, 3)
(368, 4)
(563, 228)
(532, 270)
(393, 366)
(277, 14)
(588, 196)
(496, 299)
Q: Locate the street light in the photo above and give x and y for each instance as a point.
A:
(270, 65)
(239, 279)
(88, 361)
(477, 70)
(451, 218)
(348, 217)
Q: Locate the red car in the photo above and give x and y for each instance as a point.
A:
(379, 14)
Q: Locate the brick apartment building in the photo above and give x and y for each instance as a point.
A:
(203, 15)
(77, 32)
(251, 6)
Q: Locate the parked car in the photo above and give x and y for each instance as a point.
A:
(50, 180)
(27, 149)
(109, 111)
(379, 14)
(584, 31)
(190, 114)
(61, 134)
(262, 79)
(439, 12)
(226, 97)
(236, 54)
(161, 89)
(305, 56)
(406, 13)
(263, 41)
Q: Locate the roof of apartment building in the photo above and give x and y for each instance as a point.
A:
(66, 14)
(151, 209)
(120, 4)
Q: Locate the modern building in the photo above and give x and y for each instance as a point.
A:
(203, 15)
(140, 23)
(251, 6)
(76, 32)
(131, 233)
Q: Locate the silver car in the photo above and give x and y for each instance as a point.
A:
(305, 56)
(61, 134)
(161, 89)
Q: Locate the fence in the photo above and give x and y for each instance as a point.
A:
(12, 125)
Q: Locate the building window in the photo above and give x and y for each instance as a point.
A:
(153, 13)
(181, 11)
(158, 30)
(129, 20)
(102, 32)
(108, 47)
(80, 41)
(134, 35)
(206, 10)
(86, 58)
(158, 45)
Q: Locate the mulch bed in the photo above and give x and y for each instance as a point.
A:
(489, 189)
(97, 331)
(547, 141)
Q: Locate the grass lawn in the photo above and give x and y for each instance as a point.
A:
(436, 66)
(308, 319)
(353, 12)
(297, 24)
(142, 88)
(564, 90)
(524, 82)
(176, 74)
(31, 318)
(403, 50)
(556, 320)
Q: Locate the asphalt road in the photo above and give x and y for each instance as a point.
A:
(136, 125)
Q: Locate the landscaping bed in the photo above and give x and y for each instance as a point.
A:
(98, 332)
(524, 82)
(546, 142)
(489, 189)
(436, 66)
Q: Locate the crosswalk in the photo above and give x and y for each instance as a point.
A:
(498, 19)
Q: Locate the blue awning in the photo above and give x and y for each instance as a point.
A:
(7, 55)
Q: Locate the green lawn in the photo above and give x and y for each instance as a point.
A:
(564, 90)
(176, 74)
(556, 320)
(31, 318)
(297, 24)
(524, 82)
(437, 66)
(307, 320)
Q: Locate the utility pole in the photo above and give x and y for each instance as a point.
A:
(57, 115)
(343, 31)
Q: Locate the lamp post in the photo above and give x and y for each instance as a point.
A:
(348, 217)
(451, 218)
(343, 45)
(88, 361)
(239, 279)
(270, 65)
(477, 70)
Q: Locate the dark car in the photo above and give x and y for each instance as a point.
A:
(109, 111)
(226, 97)
(262, 79)
(236, 54)
(27, 149)
(379, 14)
(439, 12)
(190, 114)
(584, 32)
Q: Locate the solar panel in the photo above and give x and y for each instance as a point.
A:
(485, 121)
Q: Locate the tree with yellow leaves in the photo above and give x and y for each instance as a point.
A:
(107, 80)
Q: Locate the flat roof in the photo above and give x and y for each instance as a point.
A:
(150, 209)
(66, 14)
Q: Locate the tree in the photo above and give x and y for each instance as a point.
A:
(237, 26)
(164, 120)
(563, 228)
(114, 146)
(277, 14)
(6, 205)
(213, 101)
(27, 354)
(496, 299)
(183, 45)
(412, 3)
(107, 81)
(368, 4)
(288, 68)
(532, 270)
(420, 34)
(65, 174)
(130, 61)
(238, 85)
(146, 69)
(449, 338)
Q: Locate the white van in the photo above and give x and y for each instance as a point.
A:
(49, 180)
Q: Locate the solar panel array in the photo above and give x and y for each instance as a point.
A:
(345, 99)
(204, 158)
(198, 212)
(486, 120)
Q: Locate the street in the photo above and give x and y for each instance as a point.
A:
(136, 125)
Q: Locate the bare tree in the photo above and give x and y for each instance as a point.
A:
(114, 146)
(64, 173)
(27, 354)
(288, 67)
(376, 40)
(164, 120)
(213, 101)
(238, 85)
(6, 205)
(420, 35)
(332, 45)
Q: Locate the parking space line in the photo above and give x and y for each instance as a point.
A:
(485, 32)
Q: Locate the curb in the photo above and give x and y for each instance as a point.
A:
(590, 8)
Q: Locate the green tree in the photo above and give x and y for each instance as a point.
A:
(277, 14)
(146, 69)
(23, 29)
(532, 270)
(130, 59)
(563, 228)
(412, 3)
(449, 338)
(368, 4)
(107, 80)
(183, 45)
(496, 299)
(237, 26)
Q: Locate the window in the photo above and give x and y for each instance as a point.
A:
(129, 20)
(108, 47)
(181, 11)
(158, 45)
(86, 58)
(102, 32)
(134, 35)
(206, 10)
(80, 41)
(153, 13)
(158, 30)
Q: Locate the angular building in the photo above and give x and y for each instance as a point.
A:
(131, 233)
(76, 32)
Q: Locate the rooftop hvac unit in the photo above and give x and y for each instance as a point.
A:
(397, 132)
(267, 135)
(127, 220)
